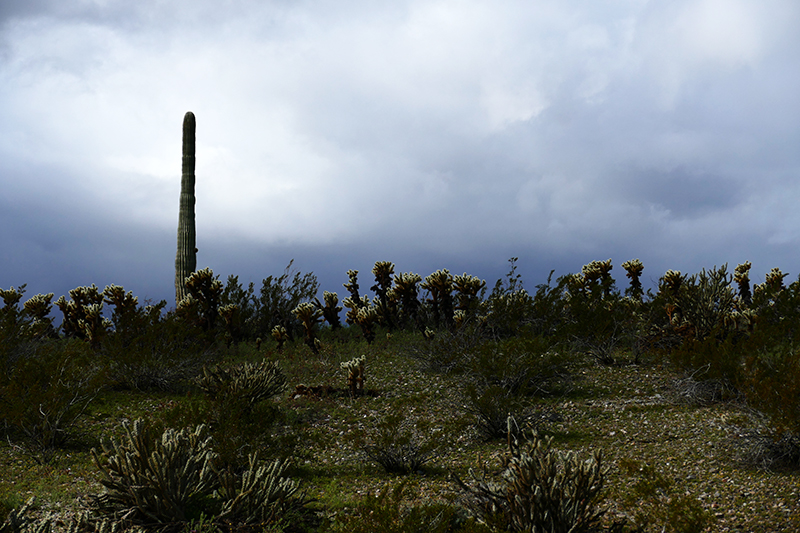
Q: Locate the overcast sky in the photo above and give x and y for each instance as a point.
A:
(434, 134)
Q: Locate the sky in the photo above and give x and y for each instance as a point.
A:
(431, 133)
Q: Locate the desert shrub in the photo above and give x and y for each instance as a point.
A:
(656, 502)
(540, 489)
(772, 383)
(237, 411)
(398, 444)
(172, 479)
(247, 383)
(159, 353)
(149, 478)
(386, 513)
(259, 495)
(446, 351)
(46, 390)
(713, 367)
(491, 406)
(278, 297)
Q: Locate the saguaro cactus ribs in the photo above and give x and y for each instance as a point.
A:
(186, 258)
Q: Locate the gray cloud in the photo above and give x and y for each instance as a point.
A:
(432, 134)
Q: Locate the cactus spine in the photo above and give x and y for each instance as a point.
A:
(186, 258)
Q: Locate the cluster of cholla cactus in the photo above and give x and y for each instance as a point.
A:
(359, 310)
(597, 278)
(541, 489)
(309, 315)
(633, 270)
(38, 308)
(155, 480)
(83, 316)
(262, 494)
(201, 305)
(355, 375)
(768, 291)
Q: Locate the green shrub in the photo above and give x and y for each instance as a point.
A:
(399, 445)
(173, 479)
(162, 479)
(246, 384)
(540, 489)
(46, 390)
(158, 353)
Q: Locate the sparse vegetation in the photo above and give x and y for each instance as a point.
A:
(685, 401)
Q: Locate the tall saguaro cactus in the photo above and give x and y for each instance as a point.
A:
(186, 258)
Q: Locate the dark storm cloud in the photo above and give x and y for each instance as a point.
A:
(432, 134)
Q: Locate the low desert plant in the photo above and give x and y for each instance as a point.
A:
(540, 489)
(46, 391)
(247, 383)
(397, 444)
(156, 479)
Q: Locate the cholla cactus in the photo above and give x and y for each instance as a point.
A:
(741, 275)
(250, 382)
(468, 287)
(85, 301)
(383, 271)
(186, 257)
(633, 270)
(230, 318)
(206, 289)
(38, 308)
(541, 489)
(125, 306)
(355, 375)
(598, 272)
(310, 317)
(406, 293)
(280, 335)
(331, 309)
(261, 495)
(367, 318)
(155, 480)
(440, 286)
(671, 283)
